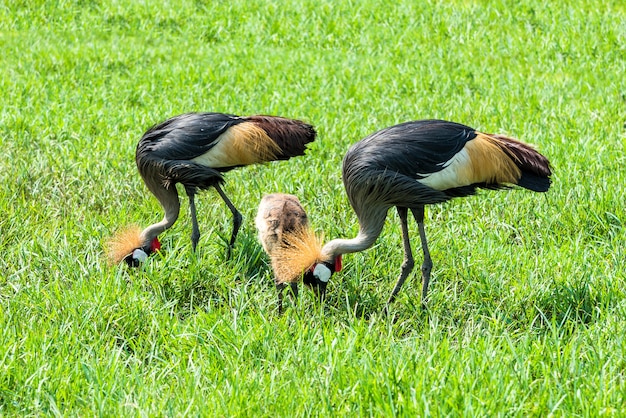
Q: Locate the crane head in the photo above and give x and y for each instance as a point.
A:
(318, 275)
(139, 255)
(129, 246)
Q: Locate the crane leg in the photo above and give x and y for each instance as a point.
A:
(427, 265)
(407, 265)
(294, 293)
(279, 288)
(237, 218)
(195, 230)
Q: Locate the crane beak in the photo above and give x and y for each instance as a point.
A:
(317, 278)
(317, 286)
(320, 290)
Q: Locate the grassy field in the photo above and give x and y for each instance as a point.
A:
(528, 294)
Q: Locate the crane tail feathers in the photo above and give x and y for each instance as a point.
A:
(289, 136)
(534, 182)
(533, 168)
(257, 140)
(122, 243)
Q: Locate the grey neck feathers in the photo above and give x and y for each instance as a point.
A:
(168, 198)
(371, 224)
(362, 241)
(151, 232)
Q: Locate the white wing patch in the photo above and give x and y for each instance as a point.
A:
(450, 176)
(220, 155)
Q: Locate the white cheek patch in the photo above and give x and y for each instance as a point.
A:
(140, 255)
(322, 272)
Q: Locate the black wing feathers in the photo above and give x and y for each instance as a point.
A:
(186, 136)
(413, 148)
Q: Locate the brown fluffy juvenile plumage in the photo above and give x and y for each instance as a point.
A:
(287, 237)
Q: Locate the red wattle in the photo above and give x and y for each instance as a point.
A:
(338, 263)
(155, 245)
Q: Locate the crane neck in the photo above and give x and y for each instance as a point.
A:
(361, 242)
(151, 232)
(168, 198)
(370, 226)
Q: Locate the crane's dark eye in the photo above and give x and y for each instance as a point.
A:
(131, 261)
(136, 257)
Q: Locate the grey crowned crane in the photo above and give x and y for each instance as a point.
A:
(425, 162)
(195, 150)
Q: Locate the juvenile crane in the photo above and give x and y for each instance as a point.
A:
(195, 149)
(426, 162)
(294, 250)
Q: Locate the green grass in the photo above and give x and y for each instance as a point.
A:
(528, 299)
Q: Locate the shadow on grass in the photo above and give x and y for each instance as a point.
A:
(186, 282)
(567, 303)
